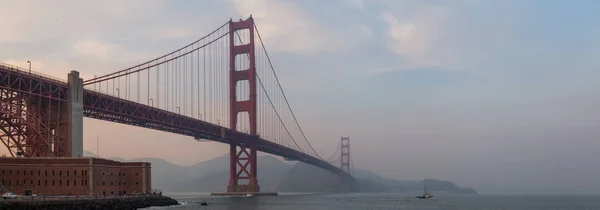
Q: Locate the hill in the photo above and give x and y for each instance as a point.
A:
(276, 175)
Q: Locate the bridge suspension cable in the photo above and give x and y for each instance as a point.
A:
(127, 70)
(271, 102)
(336, 154)
(287, 104)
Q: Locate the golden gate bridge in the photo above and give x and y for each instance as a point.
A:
(221, 87)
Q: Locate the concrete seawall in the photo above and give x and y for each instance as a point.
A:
(114, 203)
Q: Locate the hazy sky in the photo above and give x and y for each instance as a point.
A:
(501, 96)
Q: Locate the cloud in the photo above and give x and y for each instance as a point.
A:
(176, 33)
(93, 48)
(413, 38)
(453, 36)
(38, 21)
(287, 27)
(88, 37)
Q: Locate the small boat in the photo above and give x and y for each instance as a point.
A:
(425, 194)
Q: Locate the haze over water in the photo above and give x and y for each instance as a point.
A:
(384, 201)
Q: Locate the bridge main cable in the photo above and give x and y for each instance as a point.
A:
(128, 70)
(283, 93)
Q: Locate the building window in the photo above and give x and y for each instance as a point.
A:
(53, 173)
(124, 183)
(53, 182)
(46, 172)
(86, 182)
(74, 172)
(67, 173)
(60, 182)
(39, 182)
(39, 172)
(137, 183)
(60, 173)
(111, 174)
(46, 182)
(103, 173)
(111, 183)
(17, 172)
(103, 183)
(31, 182)
(82, 182)
(24, 172)
(67, 182)
(31, 173)
(17, 182)
(136, 174)
(2, 171)
(10, 172)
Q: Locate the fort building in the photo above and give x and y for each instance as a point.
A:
(83, 176)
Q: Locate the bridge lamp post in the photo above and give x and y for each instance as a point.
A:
(199, 116)
(218, 122)
(118, 93)
(152, 102)
(178, 110)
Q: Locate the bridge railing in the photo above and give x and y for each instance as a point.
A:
(33, 73)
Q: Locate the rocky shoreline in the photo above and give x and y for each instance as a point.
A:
(114, 203)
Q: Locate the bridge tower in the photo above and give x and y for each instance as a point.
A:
(345, 182)
(240, 155)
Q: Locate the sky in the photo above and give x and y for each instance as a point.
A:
(500, 96)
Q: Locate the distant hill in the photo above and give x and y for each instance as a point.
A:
(270, 173)
(373, 182)
(306, 178)
(276, 175)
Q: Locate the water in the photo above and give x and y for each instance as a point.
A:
(291, 201)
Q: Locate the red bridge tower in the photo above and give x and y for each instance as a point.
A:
(245, 157)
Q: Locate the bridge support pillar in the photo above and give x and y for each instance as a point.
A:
(242, 152)
(345, 182)
(75, 116)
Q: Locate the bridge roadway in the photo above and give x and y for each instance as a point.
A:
(105, 107)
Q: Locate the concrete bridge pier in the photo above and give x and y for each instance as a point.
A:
(74, 144)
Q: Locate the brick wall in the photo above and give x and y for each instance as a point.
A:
(72, 176)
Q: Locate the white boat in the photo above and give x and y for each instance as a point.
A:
(425, 194)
